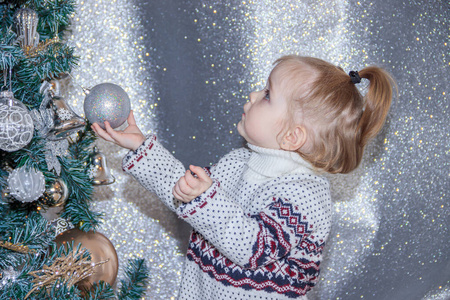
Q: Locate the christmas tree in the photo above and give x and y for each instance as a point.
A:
(48, 163)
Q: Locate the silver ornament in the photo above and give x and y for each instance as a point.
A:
(26, 185)
(54, 149)
(107, 102)
(26, 21)
(16, 124)
(98, 171)
(60, 225)
(65, 120)
(43, 118)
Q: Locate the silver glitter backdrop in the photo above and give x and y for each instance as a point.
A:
(188, 67)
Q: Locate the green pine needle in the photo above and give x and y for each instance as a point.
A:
(101, 290)
(137, 278)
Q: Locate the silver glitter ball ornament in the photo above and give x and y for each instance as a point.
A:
(26, 185)
(16, 124)
(107, 102)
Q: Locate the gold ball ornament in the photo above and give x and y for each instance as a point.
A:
(56, 194)
(100, 248)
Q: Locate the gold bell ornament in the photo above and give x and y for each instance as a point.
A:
(65, 120)
(98, 171)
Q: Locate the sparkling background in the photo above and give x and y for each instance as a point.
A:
(188, 67)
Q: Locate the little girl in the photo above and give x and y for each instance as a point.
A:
(261, 215)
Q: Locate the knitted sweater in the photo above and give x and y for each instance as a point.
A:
(258, 231)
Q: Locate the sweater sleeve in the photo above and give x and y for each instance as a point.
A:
(286, 223)
(155, 168)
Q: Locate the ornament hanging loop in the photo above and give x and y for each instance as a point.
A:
(86, 91)
(4, 87)
(6, 94)
(5, 77)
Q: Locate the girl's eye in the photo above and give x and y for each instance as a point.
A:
(266, 94)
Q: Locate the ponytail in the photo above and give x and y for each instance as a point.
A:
(376, 103)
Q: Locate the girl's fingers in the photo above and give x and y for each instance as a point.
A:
(189, 186)
(130, 119)
(102, 133)
(185, 189)
(176, 194)
(199, 172)
(115, 135)
(176, 188)
(179, 194)
(190, 179)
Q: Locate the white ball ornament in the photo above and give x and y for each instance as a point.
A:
(26, 185)
(16, 124)
(107, 102)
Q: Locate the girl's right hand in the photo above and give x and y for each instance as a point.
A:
(130, 138)
(194, 183)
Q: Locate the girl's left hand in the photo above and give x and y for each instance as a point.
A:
(189, 187)
(130, 138)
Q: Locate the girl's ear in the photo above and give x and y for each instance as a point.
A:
(294, 138)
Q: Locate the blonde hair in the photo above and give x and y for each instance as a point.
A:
(344, 121)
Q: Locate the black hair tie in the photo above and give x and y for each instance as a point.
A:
(354, 76)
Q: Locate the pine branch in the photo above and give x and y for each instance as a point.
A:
(29, 230)
(10, 54)
(53, 15)
(59, 291)
(80, 215)
(73, 173)
(6, 14)
(3, 182)
(49, 63)
(77, 207)
(101, 290)
(33, 156)
(81, 150)
(135, 285)
(16, 291)
(55, 60)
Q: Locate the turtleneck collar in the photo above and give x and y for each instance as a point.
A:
(267, 163)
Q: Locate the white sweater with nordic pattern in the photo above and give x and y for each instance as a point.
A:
(259, 230)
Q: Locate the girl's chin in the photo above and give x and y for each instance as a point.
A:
(241, 134)
(239, 127)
